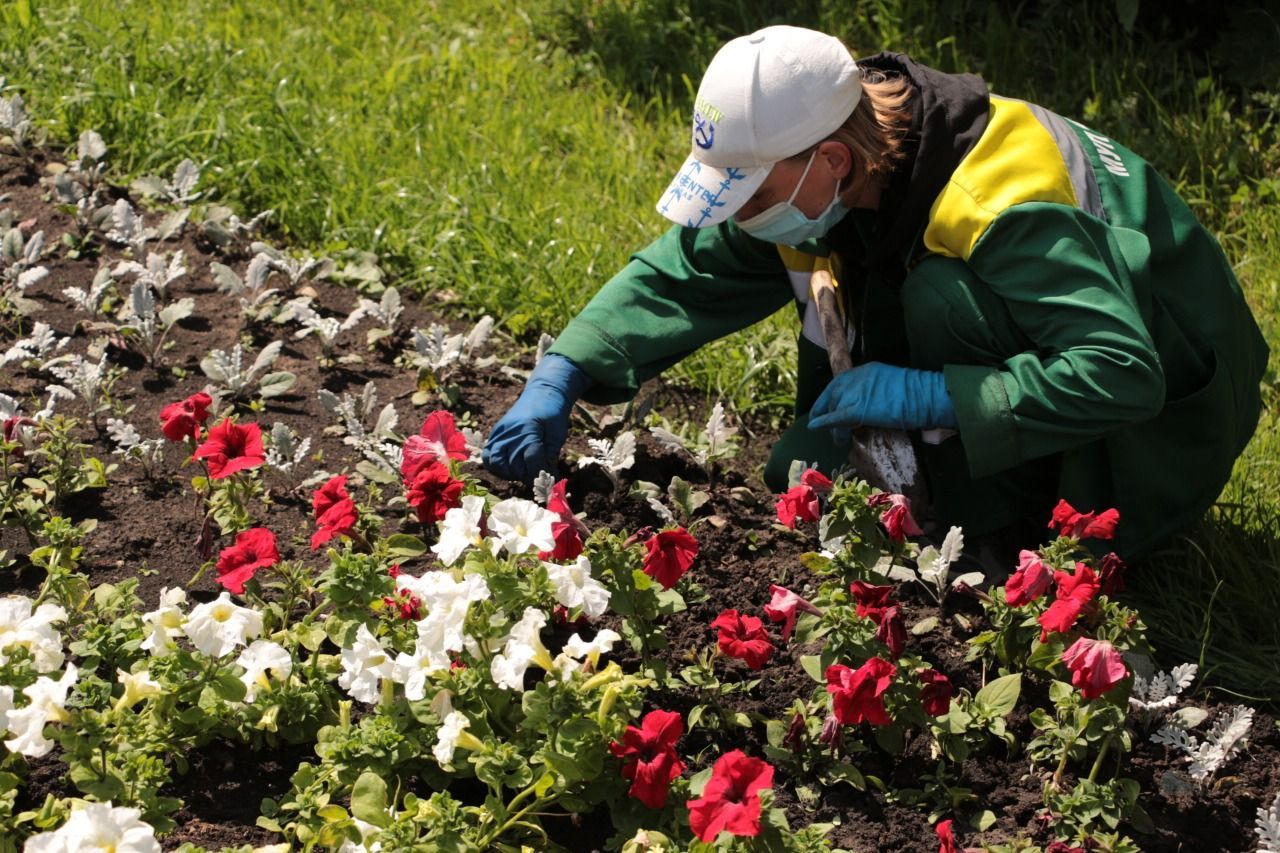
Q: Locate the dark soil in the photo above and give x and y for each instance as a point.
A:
(148, 529)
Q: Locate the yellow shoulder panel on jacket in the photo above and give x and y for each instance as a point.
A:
(1015, 161)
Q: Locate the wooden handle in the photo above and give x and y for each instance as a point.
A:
(824, 294)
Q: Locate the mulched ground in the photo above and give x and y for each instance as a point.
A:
(148, 530)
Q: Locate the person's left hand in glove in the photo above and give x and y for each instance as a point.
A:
(883, 395)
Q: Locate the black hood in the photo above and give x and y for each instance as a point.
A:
(949, 115)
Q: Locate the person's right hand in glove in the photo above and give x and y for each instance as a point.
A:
(529, 436)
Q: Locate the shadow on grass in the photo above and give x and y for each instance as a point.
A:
(1212, 597)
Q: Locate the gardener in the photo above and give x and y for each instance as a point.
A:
(1023, 295)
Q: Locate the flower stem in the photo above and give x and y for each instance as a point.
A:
(1102, 753)
(1066, 749)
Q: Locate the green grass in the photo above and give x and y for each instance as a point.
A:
(506, 159)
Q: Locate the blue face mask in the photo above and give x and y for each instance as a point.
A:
(785, 223)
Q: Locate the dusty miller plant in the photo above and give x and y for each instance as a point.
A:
(612, 457)
(158, 272)
(286, 451)
(130, 445)
(683, 496)
(227, 370)
(933, 567)
(1268, 827)
(93, 300)
(180, 189)
(16, 124)
(1152, 697)
(90, 381)
(379, 443)
(296, 269)
(437, 354)
(385, 314)
(325, 329)
(126, 228)
(222, 227)
(1224, 739)
(713, 444)
(42, 341)
(19, 268)
(145, 327)
(258, 301)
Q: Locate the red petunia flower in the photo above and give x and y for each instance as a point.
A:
(799, 503)
(858, 695)
(568, 543)
(1074, 592)
(1111, 571)
(891, 629)
(668, 555)
(784, 606)
(254, 549)
(1029, 581)
(744, 638)
(816, 480)
(437, 441)
(1083, 525)
(183, 419)
(433, 491)
(897, 518)
(936, 693)
(231, 447)
(649, 753)
(334, 511)
(1095, 666)
(731, 800)
(946, 838)
(871, 599)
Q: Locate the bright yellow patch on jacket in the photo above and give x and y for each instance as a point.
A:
(1015, 161)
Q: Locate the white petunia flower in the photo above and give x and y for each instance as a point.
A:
(217, 627)
(413, 670)
(521, 526)
(20, 627)
(137, 686)
(363, 665)
(48, 704)
(165, 623)
(260, 656)
(576, 650)
(446, 602)
(460, 530)
(523, 646)
(576, 588)
(453, 734)
(365, 829)
(98, 826)
(6, 705)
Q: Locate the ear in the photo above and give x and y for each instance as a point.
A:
(838, 157)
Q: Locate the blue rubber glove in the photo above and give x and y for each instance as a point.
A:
(529, 436)
(883, 395)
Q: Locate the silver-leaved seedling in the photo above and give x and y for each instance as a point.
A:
(285, 450)
(296, 269)
(228, 371)
(16, 124)
(148, 453)
(19, 268)
(1151, 698)
(42, 341)
(325, 329)
(146, 328)
(1225, 738)
(437, 354)
(612, 457)
(90, 381)
(93, 301)
(127, 228)
(715, 442)
(180, 189)
(258, 301)
(222, 227)
(1268, 827)
(379, 443)
(385, 313)
(158, 272)
(934, 567)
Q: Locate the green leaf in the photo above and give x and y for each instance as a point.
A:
(983, 821)
(1000, 696)
(924, 626)
(1127, 12)
(375, 473)
(228, 686)
(369, 799)
(812, 664)
(845, 774)
(275, 384)
(815, 562)
(405, 545)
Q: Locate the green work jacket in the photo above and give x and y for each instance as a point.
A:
(1094, 340)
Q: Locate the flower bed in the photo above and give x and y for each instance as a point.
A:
(259, 591)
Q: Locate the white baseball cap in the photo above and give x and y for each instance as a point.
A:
(765, 97)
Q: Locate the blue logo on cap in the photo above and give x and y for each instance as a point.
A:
(704, 132)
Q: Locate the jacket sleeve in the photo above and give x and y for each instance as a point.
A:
(689, 287)
(1091, 366)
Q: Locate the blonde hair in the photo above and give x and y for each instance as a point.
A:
(875, 130)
